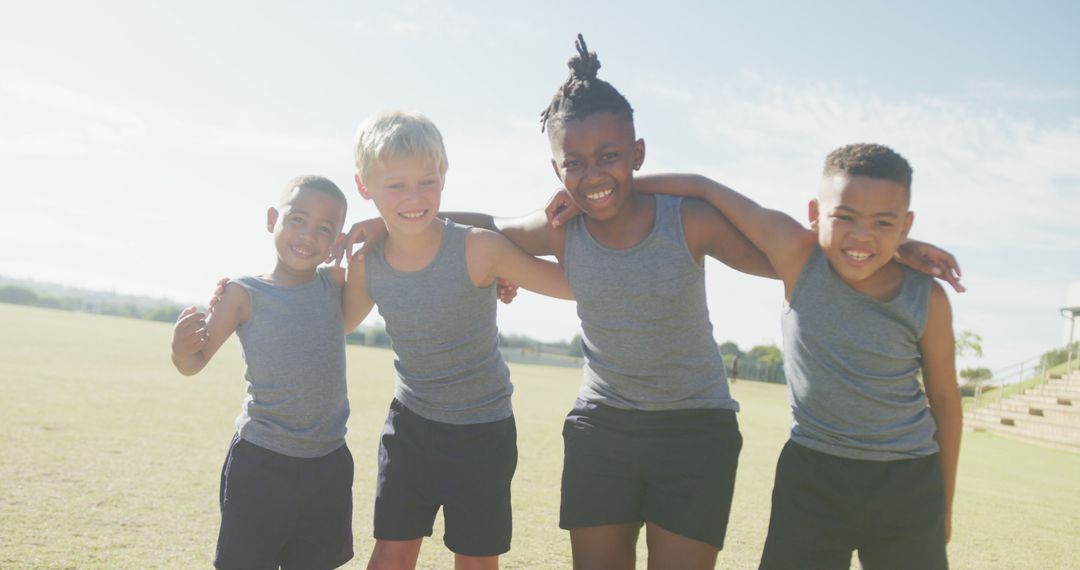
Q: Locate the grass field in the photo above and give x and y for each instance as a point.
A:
(110, 459)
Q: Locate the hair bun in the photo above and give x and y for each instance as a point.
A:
(585, 64)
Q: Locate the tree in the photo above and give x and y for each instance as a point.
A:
(968, 342)
(730, 348)
(17, 296)
(576, 349)
(973, 375)
(766, 354)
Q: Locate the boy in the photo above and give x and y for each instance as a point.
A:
(450, 438)
(869, 465)
(286, 485)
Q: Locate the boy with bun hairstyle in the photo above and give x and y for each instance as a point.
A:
(653, 439)
(450, 439)
(871, 462)
(286, 484)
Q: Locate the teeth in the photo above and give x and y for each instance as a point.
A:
(301, 252)
(413, 215)
(599, 195)
(858, 255)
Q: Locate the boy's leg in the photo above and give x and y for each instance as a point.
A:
(462, 562)
(475, 465)
(604, 547)
(323, 536)
(395, 554)
(259, 507)
(690, 460)
(816, 504)
(405, 504)
(670, 550)
(602, 488)
(909, 526)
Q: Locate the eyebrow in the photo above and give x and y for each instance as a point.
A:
(885, 214)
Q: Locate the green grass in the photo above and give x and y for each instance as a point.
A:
(110, 459)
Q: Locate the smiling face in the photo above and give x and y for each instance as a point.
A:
(595, 158)
(406, 191)
(860, 222)
(305, 226)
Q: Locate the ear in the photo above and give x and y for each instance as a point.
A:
(907, 223)
(360, 187)
(271, 219)
(639, 153)
(813, 211)
(555, 167)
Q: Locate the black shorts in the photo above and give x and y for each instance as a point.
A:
(465, 469)
(675, 469)
(824, 507)
(278, 510)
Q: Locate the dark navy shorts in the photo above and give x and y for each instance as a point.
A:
(675, 469)
(278, 510)
(824, 507)
(465, 469)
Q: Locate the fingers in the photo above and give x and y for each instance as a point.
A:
(560, 208)
(219, 291)
(189, 334)
(506, 290)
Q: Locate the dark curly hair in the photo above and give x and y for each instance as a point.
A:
(872, 160)
(583, 94)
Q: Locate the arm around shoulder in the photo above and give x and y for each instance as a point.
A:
(491, 255)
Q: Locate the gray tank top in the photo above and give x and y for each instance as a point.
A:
(294, 348)
(852, 364)
(646, 335)
(442, 327)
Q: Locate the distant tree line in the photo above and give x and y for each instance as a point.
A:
(15, 295)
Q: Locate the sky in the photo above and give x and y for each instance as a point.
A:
(141, 142)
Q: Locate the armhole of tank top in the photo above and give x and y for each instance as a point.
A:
(922, 297)
(675, 205)
(246, 285)
(811, 264)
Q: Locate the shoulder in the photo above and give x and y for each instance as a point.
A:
(333, 273)
(235, 302)
(938, 299)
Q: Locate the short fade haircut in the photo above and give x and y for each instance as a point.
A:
(312, 182)
(870, 160)
(583, 94)
(398, 134)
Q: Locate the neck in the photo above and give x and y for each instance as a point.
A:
(628, 226)
(412, 252)
(284, 275)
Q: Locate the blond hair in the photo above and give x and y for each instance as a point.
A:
(397, 134)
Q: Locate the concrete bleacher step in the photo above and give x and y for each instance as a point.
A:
(1037, 428)
(1034, 398)
(1060, 390)
(1055, 413)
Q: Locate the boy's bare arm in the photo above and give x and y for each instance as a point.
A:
(937, 347)
(784, 241)
(355, 301)
(530, 232)
(708, 232)
(196, 337)
(491, 256)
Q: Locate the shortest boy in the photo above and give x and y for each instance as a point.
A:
(286, 486)
(871, 462)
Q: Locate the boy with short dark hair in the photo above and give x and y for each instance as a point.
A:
(286, 485)
(871, 463)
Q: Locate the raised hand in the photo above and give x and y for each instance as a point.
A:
(932, 260)
(560, 208)
(369, 232)
(189, 333)
(219, 290)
